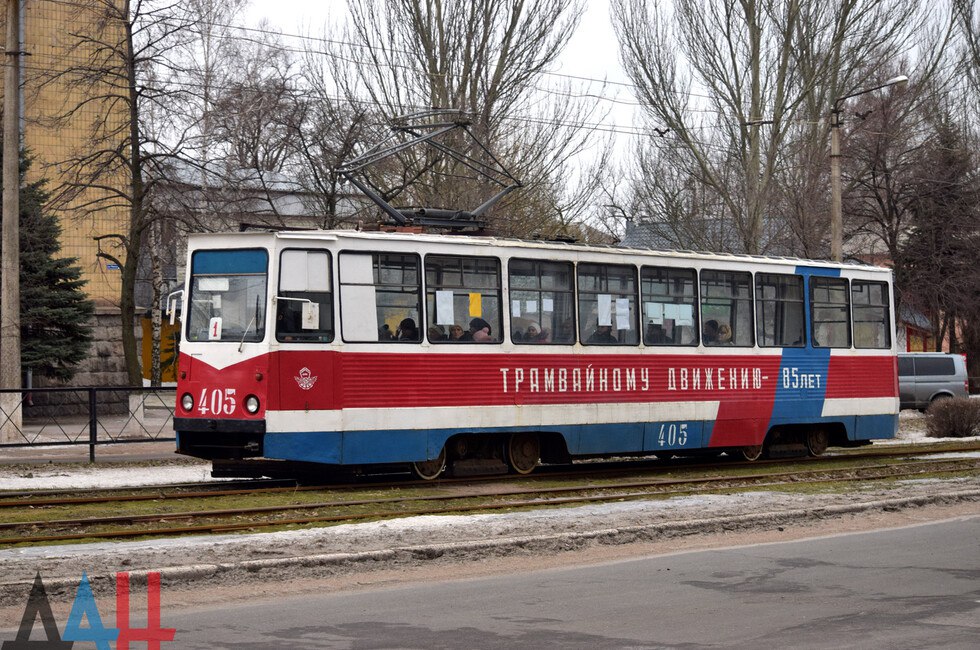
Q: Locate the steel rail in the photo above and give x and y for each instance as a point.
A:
(733, 482)
(154, 492)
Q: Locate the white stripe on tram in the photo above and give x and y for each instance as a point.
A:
(843, 406)
(479, 417)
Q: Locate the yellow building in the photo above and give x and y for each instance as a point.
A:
(60, 127)
(66, 118)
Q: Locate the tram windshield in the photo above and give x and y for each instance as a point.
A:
(228, 295)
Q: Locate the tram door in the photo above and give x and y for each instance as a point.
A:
(304, 329)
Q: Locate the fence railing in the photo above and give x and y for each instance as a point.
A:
(92, 416)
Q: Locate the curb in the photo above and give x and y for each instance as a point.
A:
(333, 563)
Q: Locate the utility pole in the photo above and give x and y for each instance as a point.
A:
(836, 218)
(836, 212)
(11, 414)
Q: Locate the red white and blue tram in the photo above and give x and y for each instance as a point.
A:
(474, 353)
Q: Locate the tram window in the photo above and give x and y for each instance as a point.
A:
(726, 308)
(669, 306)
(228, 295)
(463, 299)
(779, 315)
(607, 304)
(380, 297)
(542, 302)
(830, 308)
(872, 318)
(304, 303)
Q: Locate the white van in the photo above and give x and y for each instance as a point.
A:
(924, 377)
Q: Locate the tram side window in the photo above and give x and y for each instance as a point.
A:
(779, 310)
(304, 304)
(607, 304)
(726, 308)
(872, 318)
(830, 309)
(380, 297)
(669, 306)
(463, 299)
(542, 302)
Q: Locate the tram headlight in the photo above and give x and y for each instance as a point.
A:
(187, 402)
(252, 404)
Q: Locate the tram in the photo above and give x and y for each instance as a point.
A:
(482, 354)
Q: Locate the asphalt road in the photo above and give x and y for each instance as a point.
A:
(912, 587)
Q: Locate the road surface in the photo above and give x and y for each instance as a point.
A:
(917, 586)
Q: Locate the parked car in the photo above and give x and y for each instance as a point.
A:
(924, 377)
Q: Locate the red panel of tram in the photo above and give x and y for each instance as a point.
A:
(862, 377)
(407, 380)
(306, 381)
(221, 392)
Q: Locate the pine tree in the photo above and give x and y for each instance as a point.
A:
(55, 314)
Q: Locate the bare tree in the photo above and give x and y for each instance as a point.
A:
(967, 14)
(732, 81)
(252, 112)
(483, 57)
(205, 65)
(326, 130)
(242, 107)
(884, 143)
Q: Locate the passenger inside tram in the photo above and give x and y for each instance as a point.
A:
(535, 334)
(407, 331)
(710, 334)
(479, 331)
(456, 333)
(436, 333)
(602, 334)
(724, 334)
(566, 332)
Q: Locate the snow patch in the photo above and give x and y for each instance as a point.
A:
(61, 478)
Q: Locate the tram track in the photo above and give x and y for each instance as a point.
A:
(597, 469)
(493, 497)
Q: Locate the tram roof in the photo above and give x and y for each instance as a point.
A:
(538, 244)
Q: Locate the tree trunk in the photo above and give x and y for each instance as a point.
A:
(136, 215)
(156, 317)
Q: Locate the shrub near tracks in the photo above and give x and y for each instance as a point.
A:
(954, 418)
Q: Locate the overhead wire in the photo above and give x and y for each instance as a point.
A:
(334, 54)
(604, 127)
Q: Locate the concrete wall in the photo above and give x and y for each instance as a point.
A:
(104, 367)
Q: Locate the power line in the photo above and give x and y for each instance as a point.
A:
(600, 126)
(334, 41)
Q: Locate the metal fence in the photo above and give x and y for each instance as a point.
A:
(86, 416)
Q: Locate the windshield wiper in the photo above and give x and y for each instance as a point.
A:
(255, 317)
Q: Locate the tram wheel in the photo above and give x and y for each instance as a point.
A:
(750, 452)
(817, 441)
(523, 452)
(428, 470)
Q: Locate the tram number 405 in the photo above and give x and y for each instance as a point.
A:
(673, 435)
(219, 402)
